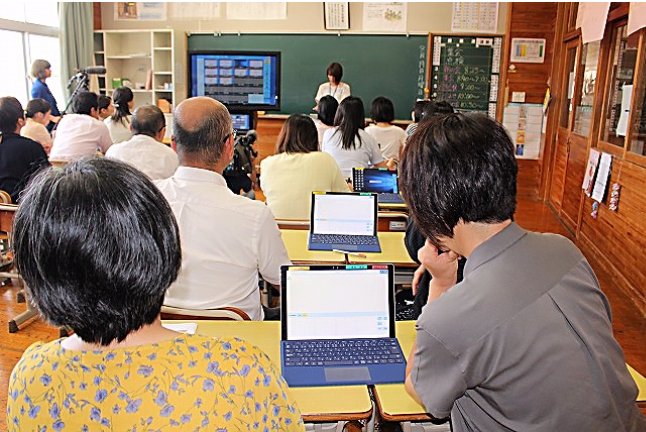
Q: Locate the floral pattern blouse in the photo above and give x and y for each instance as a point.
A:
(185, 384)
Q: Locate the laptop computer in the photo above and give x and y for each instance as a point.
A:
(381, 181)
(338, 326)
(344, 221)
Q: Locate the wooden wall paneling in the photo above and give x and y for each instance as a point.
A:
(558, 169)
(96, 9)
(574, 173)
(528, 175)
(617, 240)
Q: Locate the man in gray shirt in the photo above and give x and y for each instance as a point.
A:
(525, 341)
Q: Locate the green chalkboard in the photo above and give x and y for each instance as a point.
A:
(393, 66)
(465, 72)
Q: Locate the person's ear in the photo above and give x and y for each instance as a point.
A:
(230, 146)
(173, 144)
(161, 133)
(94, 113)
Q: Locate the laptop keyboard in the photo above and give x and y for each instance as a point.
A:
(344, 239)
(351, 352)
(389, 198)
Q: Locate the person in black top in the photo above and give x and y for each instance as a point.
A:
(20, 157)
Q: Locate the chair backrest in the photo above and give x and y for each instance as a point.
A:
(5, 198)
(225, 313)
(294, 224)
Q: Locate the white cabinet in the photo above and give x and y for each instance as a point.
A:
(142, 57)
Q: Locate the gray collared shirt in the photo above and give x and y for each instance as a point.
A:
(524, 343)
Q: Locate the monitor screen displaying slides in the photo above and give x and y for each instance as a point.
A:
(240, 80)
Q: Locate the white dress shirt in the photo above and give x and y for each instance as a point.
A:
(79, 135)
(226, 240)
(119, 131)
(365, 154)
(155, 159)
(339, 92)
(390, 139)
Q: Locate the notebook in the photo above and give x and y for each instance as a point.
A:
(343, 221)
(381, 181)
(338, 326)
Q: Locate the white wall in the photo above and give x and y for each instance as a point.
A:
(301, 17)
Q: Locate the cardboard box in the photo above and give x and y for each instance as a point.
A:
(164, 105)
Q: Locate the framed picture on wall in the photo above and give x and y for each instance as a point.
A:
(337, 15)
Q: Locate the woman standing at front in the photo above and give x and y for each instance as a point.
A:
(41, 70)
(335, 88)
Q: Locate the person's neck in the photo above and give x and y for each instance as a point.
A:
(216, 168)
(383, 124)
(468, 236)
(148, 334)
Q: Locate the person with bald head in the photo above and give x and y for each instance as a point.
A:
(145, 150)
(227, 239)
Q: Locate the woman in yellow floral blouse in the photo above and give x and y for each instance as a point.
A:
(98, 246)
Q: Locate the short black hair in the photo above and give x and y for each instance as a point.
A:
(418, 109)
(327, 107)
(84, 102)
(104, 102)
(458, 167)
(382, 110)
(98, 246)
(36, 106)
(335, 70)
(298, 135)
(10, 112)
(148, 120)
(443, 107)
(433, 109)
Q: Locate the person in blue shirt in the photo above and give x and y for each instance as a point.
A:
(41, 70)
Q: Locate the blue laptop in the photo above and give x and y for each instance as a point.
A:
(381, 181)
(344, 221)
(338, 326)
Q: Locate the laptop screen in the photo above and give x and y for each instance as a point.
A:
(344, 213)
(337, 302)
(378, 180)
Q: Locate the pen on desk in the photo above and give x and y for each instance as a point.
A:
(360, 255)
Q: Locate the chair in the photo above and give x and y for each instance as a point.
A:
(392, 221)
(295, 224)
(225, 313)
(5, 198)
(7, 212)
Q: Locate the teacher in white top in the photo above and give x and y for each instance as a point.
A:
(334, 87)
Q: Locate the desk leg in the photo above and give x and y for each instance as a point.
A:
(14, 324)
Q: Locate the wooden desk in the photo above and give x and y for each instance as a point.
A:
(296, 244)
(395, 404)
(393, 250)
(317, 404)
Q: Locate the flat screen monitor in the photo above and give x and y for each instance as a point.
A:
(241, 80)
(241, 122)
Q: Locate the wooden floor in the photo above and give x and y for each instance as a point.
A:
(629, 325)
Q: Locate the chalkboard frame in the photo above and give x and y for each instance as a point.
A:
(501, 61)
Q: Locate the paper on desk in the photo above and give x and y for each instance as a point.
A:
(188, 328)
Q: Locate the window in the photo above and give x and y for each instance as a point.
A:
(29, 31)
(638, 119)
(620, 82)
(588, 73)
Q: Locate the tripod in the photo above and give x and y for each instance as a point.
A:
(82, 83)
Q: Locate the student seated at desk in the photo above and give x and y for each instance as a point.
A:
(348, 143)
(390, 139)
(297, 169)
(38, 114)
(416, 115)
(106, 108)
(119, 123)
(525, 341)
(326, 111)
(227, 239)
(122, 370)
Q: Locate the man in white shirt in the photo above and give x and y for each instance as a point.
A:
(81, 134)
(145, 150)
(226, 239)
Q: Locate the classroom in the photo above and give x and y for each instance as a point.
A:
(287, 215)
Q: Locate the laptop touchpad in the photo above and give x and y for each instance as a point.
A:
(345, 374)
(345, 247)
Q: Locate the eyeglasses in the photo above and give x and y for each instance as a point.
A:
(233, 134)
